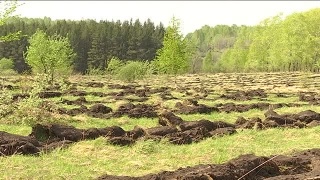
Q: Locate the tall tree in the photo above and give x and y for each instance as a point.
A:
(173, 57)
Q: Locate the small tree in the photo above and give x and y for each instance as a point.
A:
(173, 57)
(49, 55)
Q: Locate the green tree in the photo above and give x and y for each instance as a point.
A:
(207, 63)
(9, 7)
(49, 55)
(173, 57)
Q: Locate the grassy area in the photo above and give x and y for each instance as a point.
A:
(89, 159)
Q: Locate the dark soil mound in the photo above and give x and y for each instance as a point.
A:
(306, 118)
(18, 96)
(79, 101)
(56, 133)
(311, 97)
(15, 144)
(166, 95)
(245, 95)
(192, 107)
(232, 107)
(98, 94)
(76, 93)
(178, 131)
(167, 118)
(95, 84)
(118, 86)
(49, 94)
(136, 111)
(100, 108)
(97, 111)
(73, 112)
(48, 137)
(303, 165)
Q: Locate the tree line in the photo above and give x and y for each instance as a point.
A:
(278, 43)
(94, 43)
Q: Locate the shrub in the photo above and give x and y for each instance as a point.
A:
(6, 67)
(133, 70)
(31, 110)
(114, 65)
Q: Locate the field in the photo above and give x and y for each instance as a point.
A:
(217, 126)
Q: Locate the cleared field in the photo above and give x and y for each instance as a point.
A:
(91, 126)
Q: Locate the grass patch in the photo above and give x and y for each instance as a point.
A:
(90, 159)
(124, 122)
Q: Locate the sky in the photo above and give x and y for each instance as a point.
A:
(192, 14)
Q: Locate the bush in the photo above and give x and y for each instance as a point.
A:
(31, 110)
(114, 65)
(6, 67)
(133, 70)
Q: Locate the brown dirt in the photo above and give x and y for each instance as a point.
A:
(18, 96)
(302, 119)
(49, 94)
(15, 144)
(136, 111)
(311, 97)
(244, 95)
(301, 165)
(232, 107)
(94, 84)
(192, 107)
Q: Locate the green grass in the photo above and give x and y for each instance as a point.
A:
(16, 129)
(90, 159)
(223, 116)
(124, 122)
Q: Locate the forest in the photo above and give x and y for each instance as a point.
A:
(276, 44)
(93, 42)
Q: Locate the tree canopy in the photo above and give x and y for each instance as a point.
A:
(49, 55)
(173, 57)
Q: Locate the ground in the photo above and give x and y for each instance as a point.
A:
(197, 126)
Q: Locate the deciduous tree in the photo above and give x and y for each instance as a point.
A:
(49, 54)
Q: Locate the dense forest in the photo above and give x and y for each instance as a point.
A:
(276, 44)
(93, 42)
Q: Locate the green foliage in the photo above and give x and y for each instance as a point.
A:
(133, 70)
(49, 55)
(6, 12)
(207, 64)
(216, 40)
(173, 57)
(277, 44)
(6, 63)
(93, 42)
(114, 65)
(7, 67)
(31, 110)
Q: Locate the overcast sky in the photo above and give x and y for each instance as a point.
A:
(193, 14)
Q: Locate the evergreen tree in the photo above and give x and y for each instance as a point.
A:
(173, 57)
